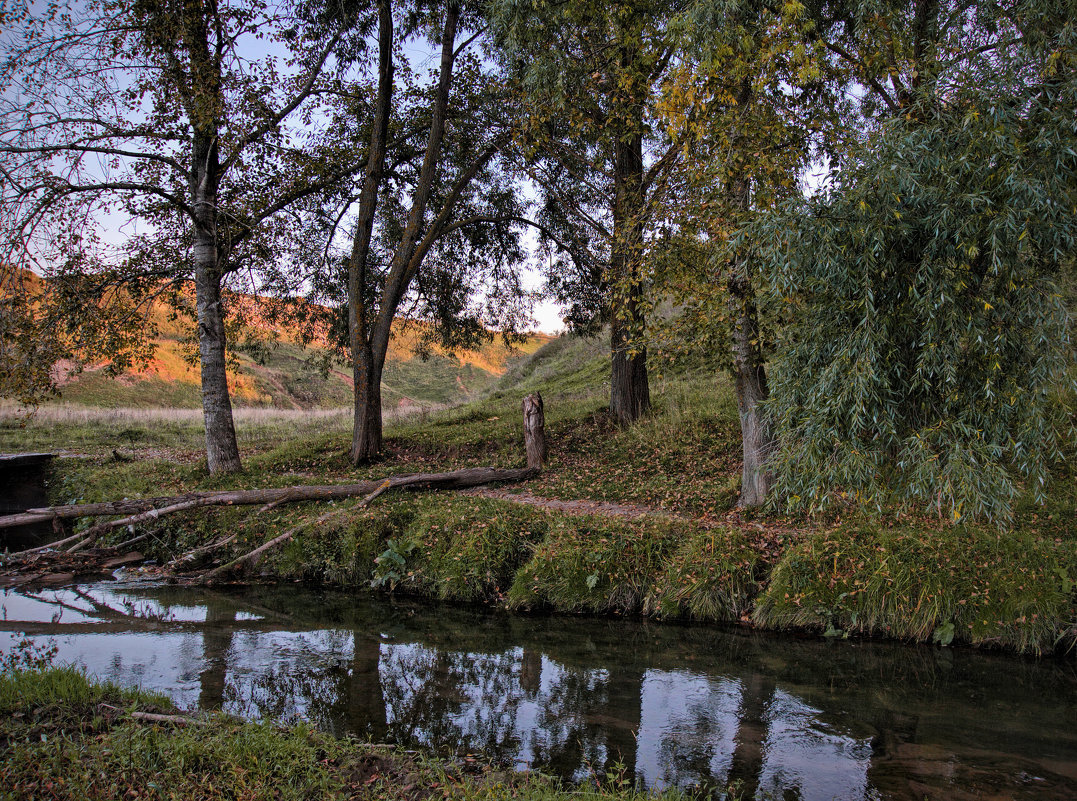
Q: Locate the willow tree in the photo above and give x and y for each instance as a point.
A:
(152, 112)
(928, 332)
(589, 74)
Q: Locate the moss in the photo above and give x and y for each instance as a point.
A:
(971, 585)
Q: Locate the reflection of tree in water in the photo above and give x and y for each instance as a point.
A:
(304, 677)
(216, 643)
(690, 724)
(746, 767)
(513, 706)
(450, 699)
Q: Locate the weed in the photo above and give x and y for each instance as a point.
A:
(711, 576)
(596, 564)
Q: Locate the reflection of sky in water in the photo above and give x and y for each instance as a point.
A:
(798, 744)
(162, 662)
(570, 710)
(687, 722)
(44, 607)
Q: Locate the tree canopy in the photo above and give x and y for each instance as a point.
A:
(928, 334)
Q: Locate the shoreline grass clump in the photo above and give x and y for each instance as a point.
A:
(459, 549)
(596, 564)
(712, 576)
(963, 584)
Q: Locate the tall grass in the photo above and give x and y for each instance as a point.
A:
(967, 584)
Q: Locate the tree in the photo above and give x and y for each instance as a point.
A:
(154, 112)
(589, 74)
(754, 103)
(437, 212)
(928, 329)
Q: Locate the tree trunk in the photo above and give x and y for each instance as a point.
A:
(222, 450)
(367, 425)
(534, 431)
(367, 422)
(757, 438)
(630, 395)
(367, 433)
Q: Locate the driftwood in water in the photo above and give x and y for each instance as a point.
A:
(534, 431)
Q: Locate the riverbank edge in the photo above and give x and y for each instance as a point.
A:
(66, 736)
(969, 585)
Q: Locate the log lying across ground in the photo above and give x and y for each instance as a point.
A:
(149, 508)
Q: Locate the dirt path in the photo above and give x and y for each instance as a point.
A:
(629, 511)
(769, 539)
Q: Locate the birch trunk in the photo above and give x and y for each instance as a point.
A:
(222, 450)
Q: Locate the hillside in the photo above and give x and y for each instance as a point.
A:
(284, 374)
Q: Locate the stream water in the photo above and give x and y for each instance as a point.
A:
(787, 718)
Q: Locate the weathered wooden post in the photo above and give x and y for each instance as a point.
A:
(534, 431)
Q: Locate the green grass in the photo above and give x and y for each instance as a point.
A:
(595, 564)
(1007, 589)
(63, 736)
(460, 549)
(711, 576)
(969, 585)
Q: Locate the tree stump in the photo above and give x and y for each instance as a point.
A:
(534, 431)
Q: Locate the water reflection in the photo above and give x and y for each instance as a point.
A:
(666, 705)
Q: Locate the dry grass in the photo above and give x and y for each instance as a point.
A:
(170, 433)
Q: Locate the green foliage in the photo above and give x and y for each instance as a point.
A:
(595, 564)
(460, 549)
(710, 576)
(965, 584)
(928, 332)
(682, 459)
(343, 550)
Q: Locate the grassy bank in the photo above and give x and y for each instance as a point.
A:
(63, 736)
(910, 577)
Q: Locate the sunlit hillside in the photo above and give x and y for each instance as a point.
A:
(284, 373)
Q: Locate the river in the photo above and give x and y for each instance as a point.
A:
(661, 704)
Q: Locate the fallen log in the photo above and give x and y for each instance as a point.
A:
(253, 556)
(191, 556)
(154, 717)
(156, 507)
(96, 531)
(256, 554)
